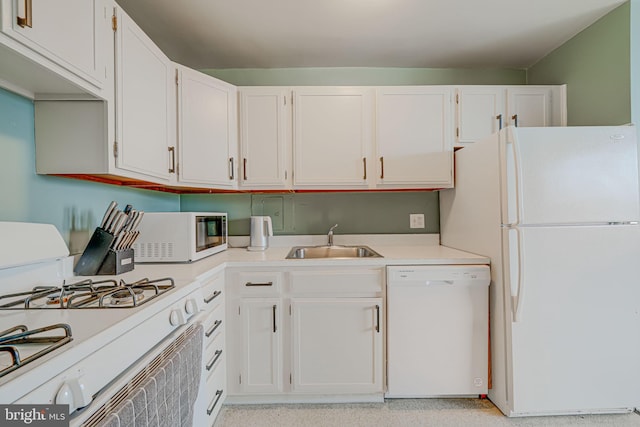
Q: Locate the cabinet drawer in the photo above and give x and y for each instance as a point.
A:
(337, 281)
(257, 283)
(214, 356)
(215, 391)
(213, 291)
(213, 326)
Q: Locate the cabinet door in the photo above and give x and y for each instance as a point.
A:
(331, 137)
(145, 103)
(529, 106)
(414, 136)
(337, 345)
(265, 121)
(71, 33)
(207, 136)
(261, 345)
(480, 112)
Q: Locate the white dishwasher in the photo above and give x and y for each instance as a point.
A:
(437, 330)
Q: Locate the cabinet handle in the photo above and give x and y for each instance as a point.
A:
(275, 307)
(231, 174)
(212, 330)
(172, 150)
(515, 120)
(499, 119)
(364, 165)
(381, 167)
(212, 297)
(218, 353)
(377, 318)
(27, 21)
(244, 168)
(215, 402)
(259, 284)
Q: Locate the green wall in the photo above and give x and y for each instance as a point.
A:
(314, 213)
(595, 65)
(350, 76)
(74, 207)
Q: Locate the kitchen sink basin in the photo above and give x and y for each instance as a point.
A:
(306, 252)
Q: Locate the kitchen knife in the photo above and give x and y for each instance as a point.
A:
(112, 217)
(107, 213)
(119, 223)
(112, 221)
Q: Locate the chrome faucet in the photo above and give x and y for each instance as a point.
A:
(330, 236)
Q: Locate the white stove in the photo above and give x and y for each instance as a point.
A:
(88, 336)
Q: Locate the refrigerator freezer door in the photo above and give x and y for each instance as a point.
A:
(570, 175)
(575, 345)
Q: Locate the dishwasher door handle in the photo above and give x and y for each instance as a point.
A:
(438, 282)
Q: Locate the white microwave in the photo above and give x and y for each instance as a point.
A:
(180, 236)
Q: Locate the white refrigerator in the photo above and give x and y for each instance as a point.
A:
(557, 210)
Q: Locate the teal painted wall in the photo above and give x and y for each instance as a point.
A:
(367, 76)
(74, 207)
(595, 65)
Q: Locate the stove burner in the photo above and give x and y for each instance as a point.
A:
(127, 296)
(9, 339)
(89, 294)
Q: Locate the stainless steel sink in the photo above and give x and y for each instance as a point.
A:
(306, 252)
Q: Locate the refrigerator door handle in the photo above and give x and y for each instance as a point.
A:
(516, 179)
(517, 300)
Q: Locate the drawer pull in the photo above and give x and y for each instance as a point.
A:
(212, 297)
(259, 284)
(215, 402)
(212, 330)
(218, 353)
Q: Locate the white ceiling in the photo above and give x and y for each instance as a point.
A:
(363, 33)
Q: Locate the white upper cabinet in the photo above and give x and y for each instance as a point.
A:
(207, 130)
(483, 110)
(145, 104)
(529, 106)
(480, 112)
(414, 144)
(265, 137)
(72, 34)
(332, 136)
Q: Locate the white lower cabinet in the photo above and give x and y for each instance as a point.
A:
(305, 334)
(337, 345)
(261, 352)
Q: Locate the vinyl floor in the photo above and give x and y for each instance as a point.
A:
(403, 413)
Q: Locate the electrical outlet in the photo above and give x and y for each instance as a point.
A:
(416, 220)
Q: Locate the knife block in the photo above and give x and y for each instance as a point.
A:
(94, 253)
(117, 262)
(99, 259)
